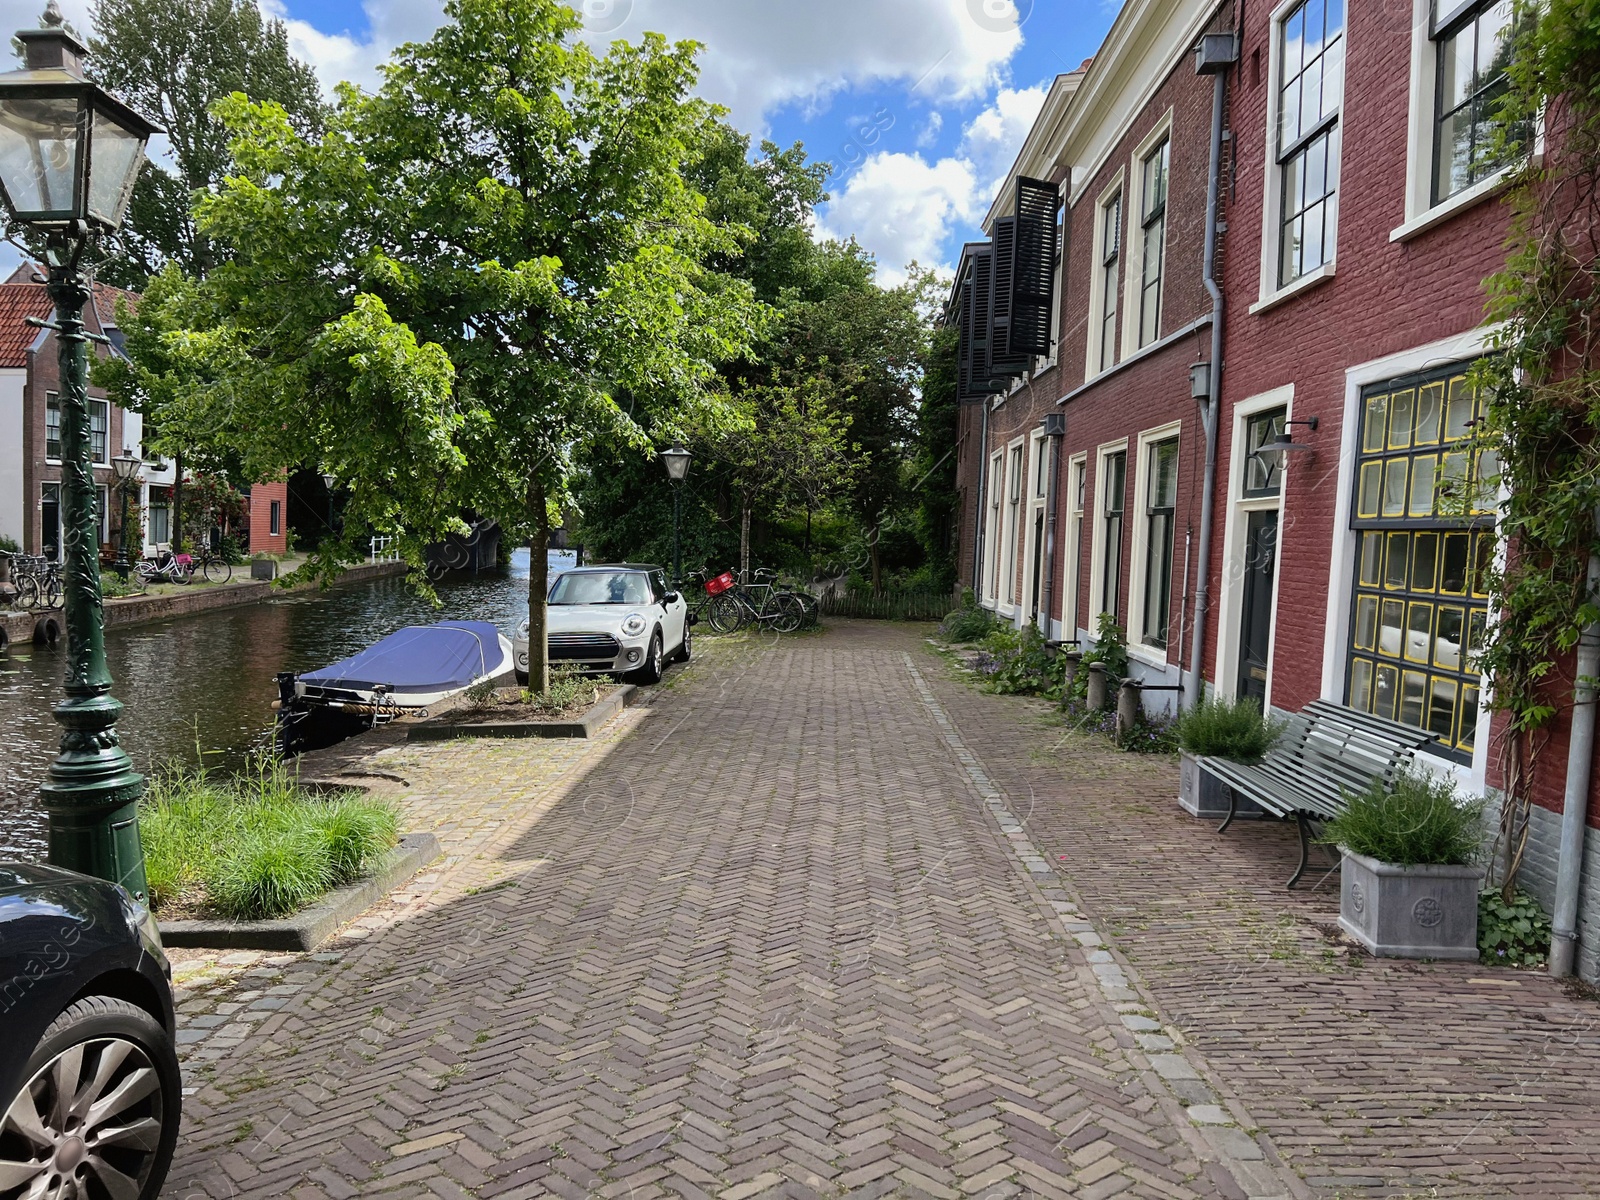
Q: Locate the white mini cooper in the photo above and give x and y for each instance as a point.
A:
(620, 619)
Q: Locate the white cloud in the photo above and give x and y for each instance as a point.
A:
(901, 207)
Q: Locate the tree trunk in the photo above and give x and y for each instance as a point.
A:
(538, 587)
(877, 561)
(177, 503)
(746, 507)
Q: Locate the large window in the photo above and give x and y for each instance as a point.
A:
(1153, 218)
(1077, 489)
(1161, 499)
(1420, 603)
(1110, 256)
(99, 428)
(1310, 91)
(991, 539)
(1474, 44)
(1112, 489)
(1007, 590)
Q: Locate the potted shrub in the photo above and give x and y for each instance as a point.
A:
(1409, 884)
(1217, 727)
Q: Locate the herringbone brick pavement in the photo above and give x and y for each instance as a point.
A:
(762, 939)
(1372, 1077)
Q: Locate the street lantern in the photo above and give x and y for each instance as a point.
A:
(69, 153)
(677, 464)
(328, 481)
(125, 467)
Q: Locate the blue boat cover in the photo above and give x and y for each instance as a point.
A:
(419, 658)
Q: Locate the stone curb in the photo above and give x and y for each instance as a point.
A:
(586, 726)
(309, 928)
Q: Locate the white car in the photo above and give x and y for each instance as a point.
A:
(617, 619)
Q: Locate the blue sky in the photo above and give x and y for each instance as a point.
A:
(920, 104)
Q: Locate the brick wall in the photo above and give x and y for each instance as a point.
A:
(262, 497)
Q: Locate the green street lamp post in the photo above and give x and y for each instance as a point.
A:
(677, 463)
(69, 155)
(125, 466)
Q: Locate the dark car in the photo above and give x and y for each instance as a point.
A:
(90, 1095)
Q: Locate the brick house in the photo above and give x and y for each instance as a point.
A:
(30, 471)
(1356, 221)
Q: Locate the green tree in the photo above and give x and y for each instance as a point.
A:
(174, 60)
(441, 297)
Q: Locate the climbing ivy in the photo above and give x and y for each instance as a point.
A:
(1541, 384)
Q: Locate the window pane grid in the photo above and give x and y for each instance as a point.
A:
(1421, 579)
(1111, 505)
(1309, 97)
(1471, 82)
(52, 425)
(1111, 249)
(1160, 508)
(1263, 472)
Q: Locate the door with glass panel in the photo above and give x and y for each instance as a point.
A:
(1260, 582)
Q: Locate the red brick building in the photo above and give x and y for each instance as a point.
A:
(1356, 219)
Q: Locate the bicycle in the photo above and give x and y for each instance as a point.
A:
(212, 565)
(761, 601)
(166, 567)
(37, 580)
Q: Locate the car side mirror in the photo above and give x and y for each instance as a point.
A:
(671, 598)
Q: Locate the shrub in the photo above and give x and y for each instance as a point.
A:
(567, 687)
(969, 623)
(1110, 647)
(1421, 823)
(9, 545)
(1017, 662)
(1512, 935)
(1225, 728)
(1149, 735)
(257, 844)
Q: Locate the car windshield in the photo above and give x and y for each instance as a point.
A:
(601, 587)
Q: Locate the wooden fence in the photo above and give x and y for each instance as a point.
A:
(888, 605)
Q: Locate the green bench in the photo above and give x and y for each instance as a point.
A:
(1326, 753)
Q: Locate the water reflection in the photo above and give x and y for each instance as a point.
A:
(205, 683)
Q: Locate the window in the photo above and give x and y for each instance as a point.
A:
(1115, 471)
(1311, 74)
(1077, 489)
(102, 513)
(52, 426)
(1263, 473)
(1110, 252)
(991, 540)
(99, 428)
(1153, 218)
(274, 518)
(50, 521)
(1474, 44)
(1420, 604)
(1007, 588)
(160, 519)
(1161, 499)
(1058, 290)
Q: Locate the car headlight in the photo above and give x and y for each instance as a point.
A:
(522, 631)
(633, 624)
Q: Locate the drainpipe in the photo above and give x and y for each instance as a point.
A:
(1575, 802)
(983, 505)
(1213, 56)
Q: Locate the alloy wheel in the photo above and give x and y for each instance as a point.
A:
(86, 1127)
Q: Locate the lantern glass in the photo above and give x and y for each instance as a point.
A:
(677, 462)
(124, 465)
(39, 156)
(116, 152)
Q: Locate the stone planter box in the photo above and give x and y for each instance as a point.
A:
(1410, 912)
(1201, 794)
(264, 568)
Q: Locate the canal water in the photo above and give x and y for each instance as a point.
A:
(203, 685)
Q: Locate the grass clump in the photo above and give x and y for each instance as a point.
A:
(1217, 727)
(969, 623)
(255, 845)
(1421, 823)
(567, 689)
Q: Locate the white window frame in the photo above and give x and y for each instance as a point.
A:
(1072, 543)
(991, 527)
(1421, 212)
(1038, 490)
(1272, 198)
(1341, 565)
(1092, 365)
(1230, 601)
(1098, 536)
(93, 400)
(1060, 287)
(1138, 544)
(1133, 247)
(1016, 472)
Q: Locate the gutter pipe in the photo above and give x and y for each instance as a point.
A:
(1211, 404)
(983, 505)
(1575, 801)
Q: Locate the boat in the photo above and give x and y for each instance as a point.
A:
(403, 674)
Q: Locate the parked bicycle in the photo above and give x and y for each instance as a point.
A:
(760, 600)
(166, 567)
(36, 581)
(213, 565)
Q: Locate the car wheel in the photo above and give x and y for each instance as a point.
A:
(654, 663)
(522, 678)
(99, 1113)
(685, 650)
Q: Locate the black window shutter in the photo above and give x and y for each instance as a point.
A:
(982, 260)
(964, 329)
(1004, 358)
(1032, 273)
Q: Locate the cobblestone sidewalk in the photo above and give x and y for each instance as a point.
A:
(803, 926)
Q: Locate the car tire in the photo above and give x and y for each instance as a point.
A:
(654, 662)
(522, 677)
(129, 1145)
(685, 650)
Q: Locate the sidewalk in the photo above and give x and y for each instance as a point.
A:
(802, 925)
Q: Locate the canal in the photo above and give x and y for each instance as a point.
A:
(203, 685)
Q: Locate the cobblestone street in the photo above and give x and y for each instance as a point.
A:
(820, 918)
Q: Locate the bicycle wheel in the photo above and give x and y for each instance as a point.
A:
(726, 613)
(50, 592)
(27, 596)
(789, 613)
(217, 571)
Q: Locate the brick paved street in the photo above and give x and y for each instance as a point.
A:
(822, 919)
